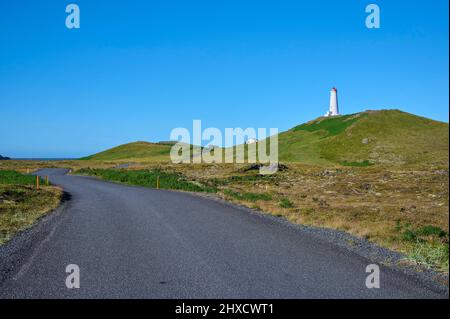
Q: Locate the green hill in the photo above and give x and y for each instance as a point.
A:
(361, 139)
(136, 150)
(387, 136)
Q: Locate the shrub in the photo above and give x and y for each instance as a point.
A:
(424, 231)
(430, 230)
(285, 203)
(409, 235)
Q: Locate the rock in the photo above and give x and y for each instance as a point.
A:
(410, 209)
(271, 167)
(323, 203)
(365, 140)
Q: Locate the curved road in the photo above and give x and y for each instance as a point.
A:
(133, 242)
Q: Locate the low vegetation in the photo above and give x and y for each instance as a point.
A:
(246, 196)
(364, 163)
(21, 204)
(330, 125)
(148, 178)
(285, 203)
(430, 255)
(9, 177)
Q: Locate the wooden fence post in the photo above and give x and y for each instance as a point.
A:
(37, 182)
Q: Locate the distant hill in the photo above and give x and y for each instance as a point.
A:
(2, 158)
(361, 139)
(136, 150)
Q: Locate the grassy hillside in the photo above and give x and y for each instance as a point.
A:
(361, 139)
(136, 150)
(371, 137)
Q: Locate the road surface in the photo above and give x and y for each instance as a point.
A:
(134, 242)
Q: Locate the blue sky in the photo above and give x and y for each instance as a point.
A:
(137, 69)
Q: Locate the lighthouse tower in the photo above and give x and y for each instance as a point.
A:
(334, 109)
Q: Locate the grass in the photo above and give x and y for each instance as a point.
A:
(148, 178)
(246, 196)
(430, 230)
(428, 245)
(285, 203)
(422, 233)
(21, 204)
(331, 125)
(376, 137)
(430, 255)
(10, 177)
(364, 163)
(136, 150)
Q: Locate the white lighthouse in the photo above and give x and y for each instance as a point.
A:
(334, 109)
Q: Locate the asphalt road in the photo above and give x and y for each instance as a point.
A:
(133, 242)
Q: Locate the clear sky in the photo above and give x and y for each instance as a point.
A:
(137, 69)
